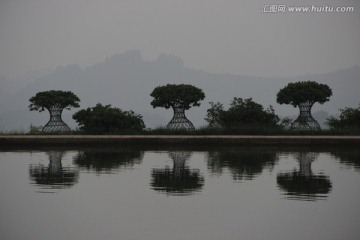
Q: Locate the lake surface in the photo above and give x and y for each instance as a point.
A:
(177, 194)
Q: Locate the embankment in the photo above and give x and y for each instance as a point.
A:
(171, 140)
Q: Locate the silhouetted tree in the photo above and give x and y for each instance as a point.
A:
(54, 176)
(106, 120)
(303, 95)
(180, 98)
(242, 113)
(303, 184)
(55, 101)
(349, 118)
(180, 180)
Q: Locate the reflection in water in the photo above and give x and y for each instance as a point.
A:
(180, 180)
(303, 184)
(139, 203)
(108, 161)
(53, 176)
(349, 158)
(243, 164)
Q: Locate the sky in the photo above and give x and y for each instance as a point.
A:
(217, 36)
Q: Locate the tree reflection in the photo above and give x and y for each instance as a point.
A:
(54, 176)
(244, 164)
(303, 184)
(180, 180)
(348, 157)
(107, 161)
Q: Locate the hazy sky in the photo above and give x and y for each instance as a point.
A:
(222, 36)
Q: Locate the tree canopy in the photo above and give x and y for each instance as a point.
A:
(242, 112)
(349, 118)
(107, 120)
(53, 98)
(302, 92)
(181, 96)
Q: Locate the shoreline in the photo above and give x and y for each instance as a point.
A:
(173, 140)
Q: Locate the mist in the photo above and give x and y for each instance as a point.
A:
(228, 48)
(126, 80)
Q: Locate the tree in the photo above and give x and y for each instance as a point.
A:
(349, 118)
(241, 113)
(107, 120)
(180, 98)
(55, 101)
(54, 175)
(303, 184)
(180, 180)
(303, 95)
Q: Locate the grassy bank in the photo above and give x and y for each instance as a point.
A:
(256, 131)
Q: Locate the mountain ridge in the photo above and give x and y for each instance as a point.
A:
(125, 80)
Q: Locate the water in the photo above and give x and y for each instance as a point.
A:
(137, 193)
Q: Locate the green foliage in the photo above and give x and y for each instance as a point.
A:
(215, 114)
(304, 92)
(108, 120)
(349, 118)
(34, 130)
(242, 113)
(53, 98)
(172, 95)
(286, 122)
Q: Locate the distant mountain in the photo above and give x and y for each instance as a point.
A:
(126, 81)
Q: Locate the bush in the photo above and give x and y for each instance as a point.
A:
(242, 113)
(108, 120)
(349, 119)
